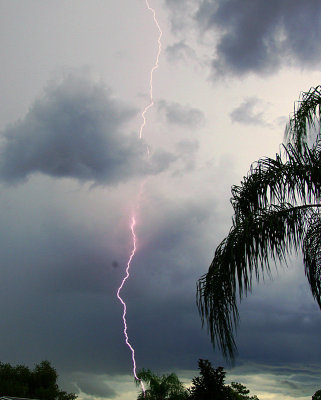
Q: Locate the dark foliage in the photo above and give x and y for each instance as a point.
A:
(210, 385)
(160, 387)
(39, 383)
(276, 211)
(317, 395)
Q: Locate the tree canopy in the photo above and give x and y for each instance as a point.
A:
(161, 387)
(317, 395)
(276, 210)
(210, 384)
(39, 383)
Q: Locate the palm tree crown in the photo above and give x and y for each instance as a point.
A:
(161, 387)
(276, 209)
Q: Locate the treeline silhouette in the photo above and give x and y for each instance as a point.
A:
(39, 383)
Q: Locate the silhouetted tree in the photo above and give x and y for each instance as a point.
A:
(14, 381)
(161, 387)
(317, 395)
(40, 383)
(276, 210)
(210, 384)
(237, 391)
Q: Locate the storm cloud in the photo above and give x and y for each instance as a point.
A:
(255, 36)
(73, 171)
(177, 114)
(67, 283)
(261, 36)
(247, 114)
(76, 130)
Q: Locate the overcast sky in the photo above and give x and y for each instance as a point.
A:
(74, 81)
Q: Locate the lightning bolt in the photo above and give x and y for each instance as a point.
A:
(152, 70)
(133, 216)
(132, 229)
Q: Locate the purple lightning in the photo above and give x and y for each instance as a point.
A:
(133, 216)
(132, 229)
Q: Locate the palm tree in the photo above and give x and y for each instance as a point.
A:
(164, 387)
(276, 210)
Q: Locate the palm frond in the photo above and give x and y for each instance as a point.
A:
(306, 113)
(296, 179)
(275, 211)
(145, 375)
(312, 255)
(246, 252)
(166, 386)
(216, 302)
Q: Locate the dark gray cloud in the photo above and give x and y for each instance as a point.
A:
(76, 130)
(294, 319)
(57, 271)
(256, 36)
(246, 113)
(263, 35)
(177, 114)
(162, 158)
